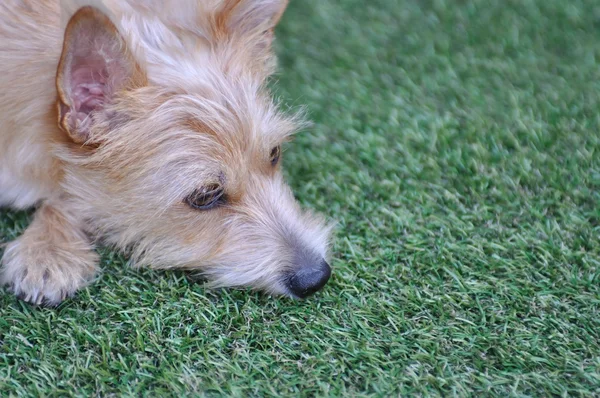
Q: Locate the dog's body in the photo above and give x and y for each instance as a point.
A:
(27, 114)
(146, 123)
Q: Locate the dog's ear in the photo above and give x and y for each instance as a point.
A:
(93, 66)
(253, 17)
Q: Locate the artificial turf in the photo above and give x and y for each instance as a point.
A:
(457, 146)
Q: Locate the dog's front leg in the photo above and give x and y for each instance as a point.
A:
(51, 260)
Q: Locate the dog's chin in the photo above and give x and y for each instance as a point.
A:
(299, 284)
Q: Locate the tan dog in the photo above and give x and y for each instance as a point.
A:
(146, 123)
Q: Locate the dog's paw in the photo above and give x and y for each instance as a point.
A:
(45, 275)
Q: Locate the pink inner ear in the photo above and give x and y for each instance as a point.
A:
(97, 66)
(88, 87)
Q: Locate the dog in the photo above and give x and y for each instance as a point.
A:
(147, 125)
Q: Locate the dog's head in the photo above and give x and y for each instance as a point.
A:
(175, 144)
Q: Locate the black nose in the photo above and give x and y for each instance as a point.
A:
(309, 279)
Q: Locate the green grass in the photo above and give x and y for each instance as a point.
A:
(457, 145)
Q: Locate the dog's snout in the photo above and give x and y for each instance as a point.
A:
(309, 279)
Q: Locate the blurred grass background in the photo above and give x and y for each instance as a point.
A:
(456, 144)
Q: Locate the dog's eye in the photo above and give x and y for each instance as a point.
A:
(275, 154)
(206, 197)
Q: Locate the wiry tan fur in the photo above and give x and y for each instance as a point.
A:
(192, 111)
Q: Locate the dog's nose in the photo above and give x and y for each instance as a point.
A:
(309, 279)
